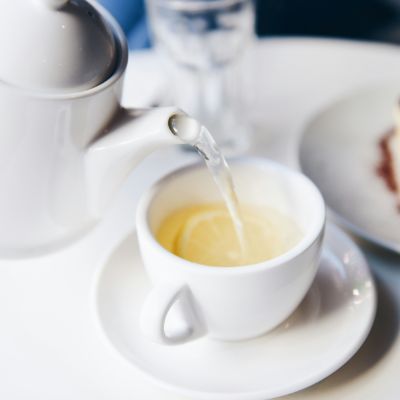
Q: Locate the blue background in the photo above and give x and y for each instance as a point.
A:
(356, 19)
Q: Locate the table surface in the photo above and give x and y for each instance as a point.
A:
(50, 347)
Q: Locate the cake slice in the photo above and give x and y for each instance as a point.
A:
(394, 148)
(389, 165)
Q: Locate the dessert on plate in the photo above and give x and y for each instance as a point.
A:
(389, 166)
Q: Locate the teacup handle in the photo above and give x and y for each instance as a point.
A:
(156, 308)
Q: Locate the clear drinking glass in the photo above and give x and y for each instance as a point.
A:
(206, 44)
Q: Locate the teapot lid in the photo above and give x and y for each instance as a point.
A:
(55, 45)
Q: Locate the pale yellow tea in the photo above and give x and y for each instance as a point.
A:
(205, 234)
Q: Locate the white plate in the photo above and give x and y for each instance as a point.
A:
(322, 334)
(339, 152)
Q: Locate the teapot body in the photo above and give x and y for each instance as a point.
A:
(65, 152)
(43, 183)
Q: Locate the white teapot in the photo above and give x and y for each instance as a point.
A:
(65, 142)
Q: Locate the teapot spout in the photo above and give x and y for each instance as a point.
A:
(132, 136)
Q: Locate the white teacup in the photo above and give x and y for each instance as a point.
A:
(228, 303)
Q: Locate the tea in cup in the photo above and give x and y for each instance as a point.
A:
(205, 234)
(194, 259)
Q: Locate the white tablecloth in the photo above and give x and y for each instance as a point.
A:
(50, 348)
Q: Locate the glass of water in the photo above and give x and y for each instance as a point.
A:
(206, 44)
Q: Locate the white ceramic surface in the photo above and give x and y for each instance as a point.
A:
(51, 348)
(320, 336)
(228, 303)
(49, 45)
(64, 154)
(340, 153)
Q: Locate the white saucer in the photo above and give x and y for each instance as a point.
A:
(339, 152)
(322, 334)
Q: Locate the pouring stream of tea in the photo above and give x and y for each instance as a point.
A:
(191, 132)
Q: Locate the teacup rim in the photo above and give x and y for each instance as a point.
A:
(142, 218)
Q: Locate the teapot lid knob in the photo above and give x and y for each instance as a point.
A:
(55, 4)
